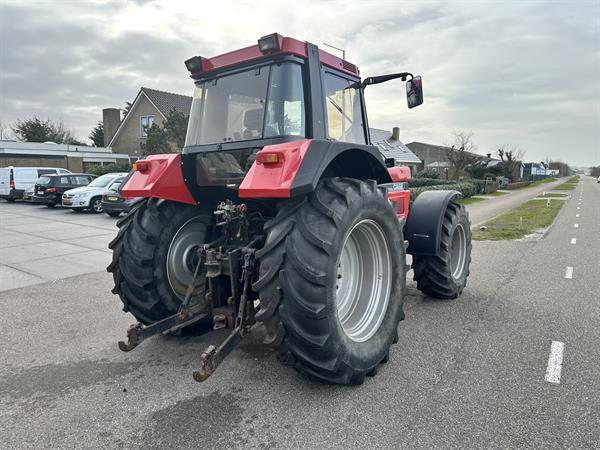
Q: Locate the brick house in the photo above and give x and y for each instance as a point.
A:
(149, 107)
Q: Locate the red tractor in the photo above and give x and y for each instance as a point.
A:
(280, 211)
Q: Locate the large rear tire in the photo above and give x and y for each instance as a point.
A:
(152, 261)
(332, 281)
(445, 275)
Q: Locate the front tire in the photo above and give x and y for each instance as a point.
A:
(96, 205)
(332, 281)
(152, 261)
(445, 275)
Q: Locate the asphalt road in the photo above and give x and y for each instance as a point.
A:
(465, 373)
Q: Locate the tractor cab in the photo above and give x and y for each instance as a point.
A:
(276, 95)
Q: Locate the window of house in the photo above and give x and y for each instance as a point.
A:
(344, 118)
(145, 123)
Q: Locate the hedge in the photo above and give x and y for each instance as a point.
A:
(419, 182)
(467, 189)
(479, 185)
(101, 170)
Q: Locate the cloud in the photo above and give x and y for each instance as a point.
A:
(522, 72)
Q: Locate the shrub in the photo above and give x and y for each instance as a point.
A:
(101, 170)
(419, 182)
(428, 173)
(479, 185)
(466, 189)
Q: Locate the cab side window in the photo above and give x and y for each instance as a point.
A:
(343, 109)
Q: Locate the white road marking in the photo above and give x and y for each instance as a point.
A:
(578, 207)
(573, 241)
(576, 225)
(555, 362)
(569, 273)
(576, 215)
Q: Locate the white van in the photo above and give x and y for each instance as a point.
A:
(15, 180)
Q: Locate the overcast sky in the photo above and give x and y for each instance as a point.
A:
(512, 72)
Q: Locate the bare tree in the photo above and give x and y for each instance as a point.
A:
(459, 154)
(511, 155)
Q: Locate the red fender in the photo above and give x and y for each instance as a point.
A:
(158, 176)
(274, 180)
(399, 173)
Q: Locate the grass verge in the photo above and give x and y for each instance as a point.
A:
(567, 186)
(543, 181)
(519, 222)
(469, 200)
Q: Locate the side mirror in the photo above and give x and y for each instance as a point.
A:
(414, 92)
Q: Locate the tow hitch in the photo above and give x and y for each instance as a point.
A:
(228, 256)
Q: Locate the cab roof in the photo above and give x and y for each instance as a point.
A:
(287, 46)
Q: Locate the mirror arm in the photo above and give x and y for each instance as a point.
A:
(384, 78)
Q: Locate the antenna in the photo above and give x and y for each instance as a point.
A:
(337, 48)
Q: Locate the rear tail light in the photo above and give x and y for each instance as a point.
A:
(50, 190)
(12, 184)
(268, 158)
(141, 166)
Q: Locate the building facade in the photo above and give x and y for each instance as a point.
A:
(149, 107)
(76, 158)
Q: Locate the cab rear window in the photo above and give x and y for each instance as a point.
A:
(44, 181)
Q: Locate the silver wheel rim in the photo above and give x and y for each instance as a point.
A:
(181, 258)
(458, 252)
(364, 281)
(97, 205)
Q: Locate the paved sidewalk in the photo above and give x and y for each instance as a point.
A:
(38, 244)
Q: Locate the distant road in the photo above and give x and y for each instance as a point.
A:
(481, 211)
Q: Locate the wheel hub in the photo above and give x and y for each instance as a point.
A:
(363, 281)
(458, 252)
(181, 257)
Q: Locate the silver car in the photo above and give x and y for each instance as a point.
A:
(90, 196)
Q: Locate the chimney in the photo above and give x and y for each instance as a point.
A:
(396, 133)
(111, 118)
(489, 155)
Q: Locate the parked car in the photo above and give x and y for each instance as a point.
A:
(90, 196)
(28, 194)
(114, 203)
(598, 181)
(49, 189)
(14, 181)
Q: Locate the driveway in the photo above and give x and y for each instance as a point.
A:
(482, 211)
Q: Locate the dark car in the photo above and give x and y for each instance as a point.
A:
(50, 188)
(113, 203)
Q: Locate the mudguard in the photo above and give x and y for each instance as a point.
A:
(158, 176)
(301, 164)
(424, 224)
